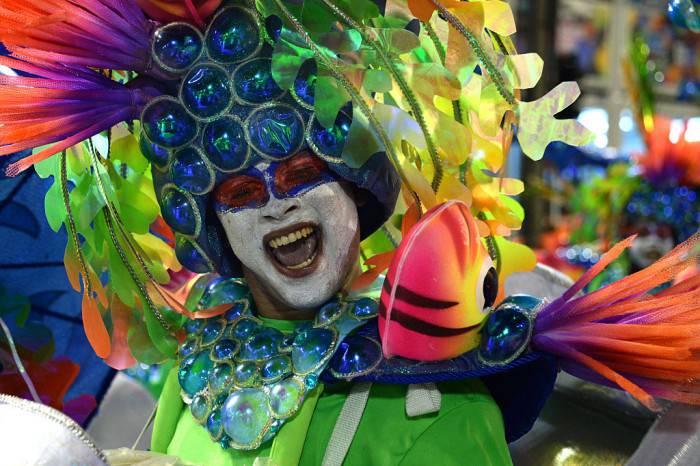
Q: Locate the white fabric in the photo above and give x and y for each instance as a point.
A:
(347, 424)
(423, 398)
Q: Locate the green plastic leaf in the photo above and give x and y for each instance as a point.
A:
(377, 81)
(289, 54)
(54, 207)
(137, 211)
(330, 97)
(361, 143)
(141, 346)
(120, 279)
(166, 343)
(126, 150)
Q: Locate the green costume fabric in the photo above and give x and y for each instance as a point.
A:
(468, 425)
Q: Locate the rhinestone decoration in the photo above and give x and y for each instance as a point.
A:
(191, 256)
(155, 154)
(253, 82)
(276, 131)
(206, 91)
(225, 145)
(233, 35)
(167, 123)
(190, 172)
(242, 379)
(180, 211)
(507, 331)
(177, 46)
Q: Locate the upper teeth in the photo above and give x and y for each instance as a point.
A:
(291, 237)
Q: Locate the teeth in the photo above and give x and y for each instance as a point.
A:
(306, 263)
(290, 238)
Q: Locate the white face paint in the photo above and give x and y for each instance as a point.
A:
(647, 249)
(302, 248)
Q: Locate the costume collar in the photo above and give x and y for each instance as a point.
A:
(243, 378)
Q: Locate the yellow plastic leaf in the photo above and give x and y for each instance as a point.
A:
(498, 17)
(399, 126)
(419, 185)
(451, 188)
(538, 127)
(524, 70)
(453, 139)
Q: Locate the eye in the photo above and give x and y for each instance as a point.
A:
(486, 285)
(241, 191)
(302, 169)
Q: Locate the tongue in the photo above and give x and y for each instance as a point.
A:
(297, 252)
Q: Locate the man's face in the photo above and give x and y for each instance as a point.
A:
(653, 242)
(293, 226)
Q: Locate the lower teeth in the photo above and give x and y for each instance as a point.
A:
(306, 263)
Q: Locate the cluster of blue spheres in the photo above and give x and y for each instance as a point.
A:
(678, 207)
(226, 113)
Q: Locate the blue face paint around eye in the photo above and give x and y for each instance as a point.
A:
(252, 188)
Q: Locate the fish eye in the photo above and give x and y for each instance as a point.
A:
(487, 285)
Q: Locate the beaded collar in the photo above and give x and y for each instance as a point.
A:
(242, 379)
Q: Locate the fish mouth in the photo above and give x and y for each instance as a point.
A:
(295, 250)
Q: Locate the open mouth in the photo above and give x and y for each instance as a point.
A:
(294, 250)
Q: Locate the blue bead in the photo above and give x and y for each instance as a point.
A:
(166, 123)
(275, 368)
(233, 35)
(253, 82)
(235, 312)
(214, 425)
(523, 301)
(177, 46)
(310, 349)
(212, 331)
(330, 141)
(190, 172)
(244, 329)
(194, 372)
(190, 256)
(262, 345)
(276, 131)
(225, 349)
(245, 416)
(246, 374)
(194, 325)
(505, 335)
(364, 308)
(188, 347)
(684, 14)
(179, 211)
(199, 407)
(206, 91)
(311, 381)
(221, 378)
(155, 154)
(355, 355)
(224, 291)
(273, 26)
(329, 313)
(225, 144)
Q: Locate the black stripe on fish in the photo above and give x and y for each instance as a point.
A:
(417, 325)
(415, 299)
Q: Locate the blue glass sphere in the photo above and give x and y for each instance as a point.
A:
(505, 335)
(166, 123)
(154, 153)
(685, 14)
(233, 35)
(253, 82)
(206, 91)
(276, 131)
(225, 145)
(177, 46)
(180, 212)
(190, 256)
(330, 141)
(190, 172)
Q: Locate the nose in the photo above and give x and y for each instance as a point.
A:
(279, 209)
